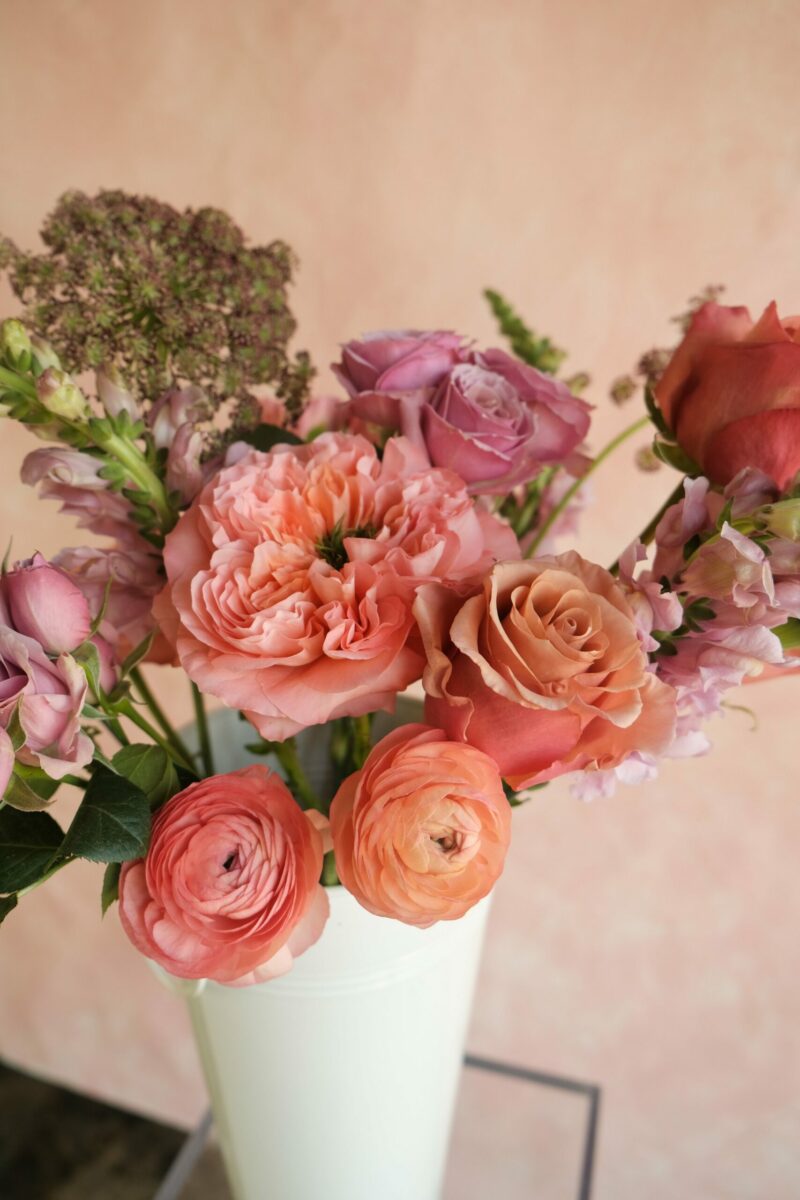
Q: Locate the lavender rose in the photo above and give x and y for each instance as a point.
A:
(44, 604)
(496, 421)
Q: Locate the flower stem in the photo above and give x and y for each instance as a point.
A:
(615, 442)
(330, 875)
(202, 730)
(160, 717)
(141, 474)
(286, 754)
(646, 536)
(128, 710)
(362, 740)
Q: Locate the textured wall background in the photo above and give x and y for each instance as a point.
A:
(599, 163)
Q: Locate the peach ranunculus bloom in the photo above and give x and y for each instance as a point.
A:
(229, 889)
(543, 670)
(291, 578)
(420, 833)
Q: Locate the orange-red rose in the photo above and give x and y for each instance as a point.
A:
(731, 393)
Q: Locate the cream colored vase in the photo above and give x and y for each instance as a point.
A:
(338, 1081)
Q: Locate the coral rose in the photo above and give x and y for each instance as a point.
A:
(420, 833)
(731, 393)
(229, 889)
(291, 578)
(543, 670)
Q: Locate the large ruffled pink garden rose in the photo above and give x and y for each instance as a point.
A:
(543, 670)
(420, 833)
(229, 889)
(292, 576)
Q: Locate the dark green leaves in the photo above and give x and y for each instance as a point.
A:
(264, 437)
(28, 844)
(150, 769)
(112, 823)
(110, 891)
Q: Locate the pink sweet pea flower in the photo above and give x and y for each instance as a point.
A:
(229, 889)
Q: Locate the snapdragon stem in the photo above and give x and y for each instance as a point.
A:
(202, 730)
(607, 450)
(141, 474)
(159, 716)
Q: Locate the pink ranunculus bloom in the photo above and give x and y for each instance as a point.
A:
(128, 580)
(292, 576)
(397, 362)
(49, 696)
(544, 670)
(229, 889)
(731, 393)
(420, 833)
(74, 478)
(45, 604)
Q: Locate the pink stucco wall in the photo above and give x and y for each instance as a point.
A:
(599, 163)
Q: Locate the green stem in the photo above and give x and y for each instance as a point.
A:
(14, 382)
(646, 536)
(141, 474)
(160, 717)
(128, 710)
(118, 732)
(362, 740)
(286, 754)
(615, 442)
(330, 876)
(202, 730)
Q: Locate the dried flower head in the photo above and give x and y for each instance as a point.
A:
(166, 298)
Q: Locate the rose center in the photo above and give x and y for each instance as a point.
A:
(331, 546)
(230, 861)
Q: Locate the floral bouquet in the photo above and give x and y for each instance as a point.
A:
(304, 561)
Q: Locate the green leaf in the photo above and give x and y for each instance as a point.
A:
(112, 823)
(28, 842)
(789, 634)
(30, 793)
(673, 456)
(88, 657)
(264, 437)
(7, 905)
(656, 415)
(136, 655)
(151, 769)
(110, 891)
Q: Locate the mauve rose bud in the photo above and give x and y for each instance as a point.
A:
(6, 760)
(113, 394)
(44, 604)
(61, 396)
